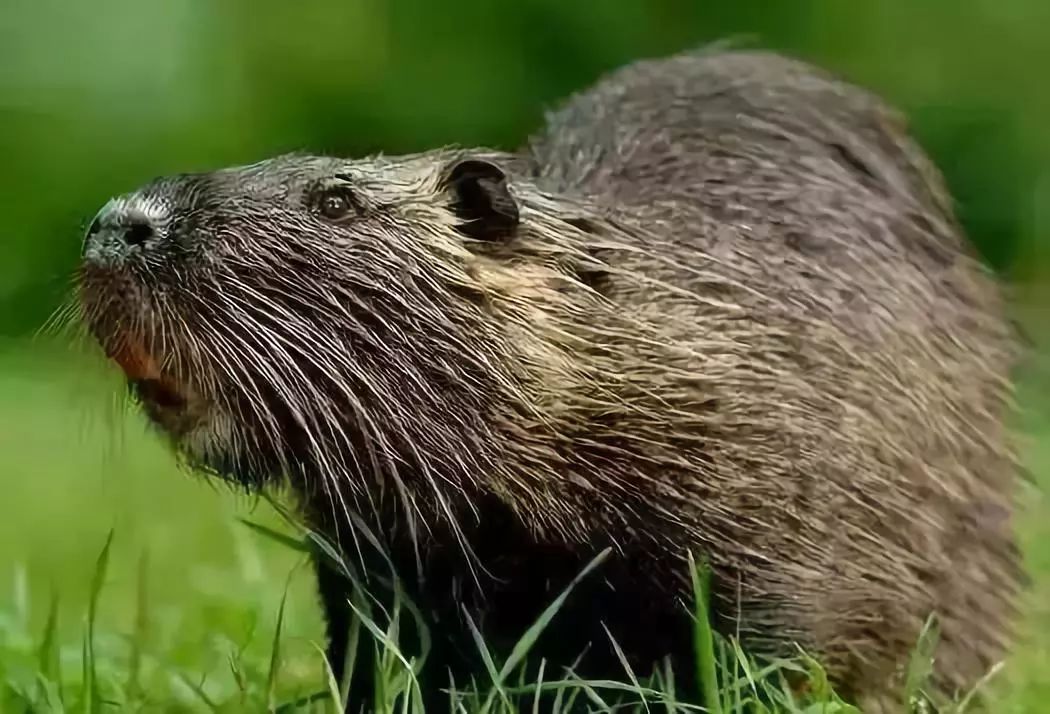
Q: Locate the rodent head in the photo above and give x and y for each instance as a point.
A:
(347, 316)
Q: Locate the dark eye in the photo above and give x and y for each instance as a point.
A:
(335, 204)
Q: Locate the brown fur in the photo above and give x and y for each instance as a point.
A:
(735, 316)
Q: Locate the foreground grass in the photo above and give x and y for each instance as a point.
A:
(185, 609)
(122, 672)
(109, 671)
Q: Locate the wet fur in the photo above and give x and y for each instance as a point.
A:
(736, 317)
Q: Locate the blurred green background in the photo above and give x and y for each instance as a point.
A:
(97, 97)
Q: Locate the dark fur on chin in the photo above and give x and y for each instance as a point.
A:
(720, 305)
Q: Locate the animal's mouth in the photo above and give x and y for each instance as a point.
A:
(115, 315)
(165, 398)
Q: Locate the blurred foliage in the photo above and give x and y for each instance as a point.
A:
(96, 97)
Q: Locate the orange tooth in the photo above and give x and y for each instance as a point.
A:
(135, 361)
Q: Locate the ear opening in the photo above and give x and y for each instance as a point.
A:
(482, 199)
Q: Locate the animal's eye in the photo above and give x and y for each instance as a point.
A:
(335, 204)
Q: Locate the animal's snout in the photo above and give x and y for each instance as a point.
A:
(120, 228)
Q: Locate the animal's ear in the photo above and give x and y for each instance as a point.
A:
(481, 199)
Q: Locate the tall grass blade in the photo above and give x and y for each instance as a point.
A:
(330, 679)
(490, 666)
(703, 638)
(920, 665)
(92, 693)
(382, 637)
(353, 641)
(978, 688)
(627, 667)
(526, 642)
(50, 694)
(48, 661)
(47, 655)
(275, 650)
(138, 637)
(539, 688)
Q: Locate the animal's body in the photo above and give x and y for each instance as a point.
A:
(719, 305)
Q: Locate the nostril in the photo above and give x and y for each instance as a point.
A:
(138, 233)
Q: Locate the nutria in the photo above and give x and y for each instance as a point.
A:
(720, 305)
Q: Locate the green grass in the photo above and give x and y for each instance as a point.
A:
(126, 585)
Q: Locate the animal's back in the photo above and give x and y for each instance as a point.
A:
(849, 355)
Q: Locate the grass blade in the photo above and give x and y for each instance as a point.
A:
(50, 695)
(591, 694)
(92, 694)
(490, 666)
(353, 640)
(48, 653)
(275, 650)
(627, 667)
(920, 665)
(525, 643)
(304, 701)
(703, 638)
(383, 638)
(529, 638)
(667, 685)
(978, 688)
(539, 688)
(330, 680)
(295, 544)
(199, 691)
(48, 661)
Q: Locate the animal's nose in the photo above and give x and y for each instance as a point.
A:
(116, 230)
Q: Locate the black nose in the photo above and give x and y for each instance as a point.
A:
(113, 231)
(137, 231)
